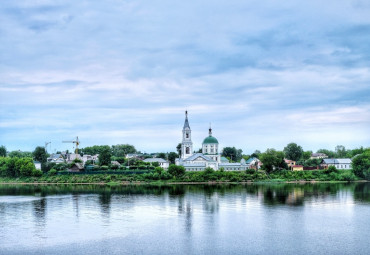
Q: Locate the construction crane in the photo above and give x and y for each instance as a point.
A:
(46, 146)
(77, 142)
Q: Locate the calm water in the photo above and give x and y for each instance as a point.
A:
(191, 219)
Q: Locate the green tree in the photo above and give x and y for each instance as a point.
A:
(105, 156)
(306, 155)
(361, 165)
(20, 154)
(93, 150)
(121, 150)
(162, 155)
(293, 151)
(330, 154)
(272, 160)
(172, 156)
(2, 151)
(232, 153)
(256, 154)
(40, 154)
(340, 151)
(178, 149)
(175, 170)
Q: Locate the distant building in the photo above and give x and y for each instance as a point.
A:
(134, 155)
(162, 163)
(72, 156)
(56, 158)
(209, 157)
(297, 168)
(115, 163)
(76, 167)
(37, 165)
(290, 163)
(318, 156)
(340, 163)
(253, 163)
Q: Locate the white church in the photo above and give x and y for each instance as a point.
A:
(210, 156)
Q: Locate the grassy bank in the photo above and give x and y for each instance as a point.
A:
(190, 177)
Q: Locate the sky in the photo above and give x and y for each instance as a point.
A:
(263, 73)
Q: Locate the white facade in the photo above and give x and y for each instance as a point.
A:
(210, 156)
(187, 144)
(162, 163)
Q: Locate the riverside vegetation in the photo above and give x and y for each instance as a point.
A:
(22, 169)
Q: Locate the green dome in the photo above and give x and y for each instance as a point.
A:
(210, 139)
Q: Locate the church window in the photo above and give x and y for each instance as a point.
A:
(187, 150)
(187, 135)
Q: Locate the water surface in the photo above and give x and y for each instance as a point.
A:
(185, 219)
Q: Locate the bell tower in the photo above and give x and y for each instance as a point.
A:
(187, 144)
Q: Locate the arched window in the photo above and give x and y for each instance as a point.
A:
(187, 150)
(187, 135)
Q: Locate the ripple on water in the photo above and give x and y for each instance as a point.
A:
(18, 199)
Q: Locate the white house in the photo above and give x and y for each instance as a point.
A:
(340, 163)
(162, 163)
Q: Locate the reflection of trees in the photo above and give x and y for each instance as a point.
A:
(39, 210)
(105, 202)
(362, 192)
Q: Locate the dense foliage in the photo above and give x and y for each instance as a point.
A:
(2, 151)
(273, 160)
(39, 154)
(361, 165)
(18, 167)
(232, 153)
(293, 151)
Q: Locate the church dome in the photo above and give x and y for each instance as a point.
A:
(210, 139)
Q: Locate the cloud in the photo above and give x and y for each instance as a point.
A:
(264, 74)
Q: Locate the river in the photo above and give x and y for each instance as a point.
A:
(185, 219)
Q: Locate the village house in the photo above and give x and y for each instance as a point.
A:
(290, 163)
(297, 168)
(162, 163)
(56, 158)
(318, 156)
(340, 163)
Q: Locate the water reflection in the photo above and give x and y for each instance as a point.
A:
(273, 194)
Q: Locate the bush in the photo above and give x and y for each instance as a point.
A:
(114, 167)
(331, 169)
(250, 171)
(36, 173)
(209, 170)
(348, 176)
(104, 167)
(175, 170)
(52, 172)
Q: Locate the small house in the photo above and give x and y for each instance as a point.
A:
(162, 163)
(76, 167)
(297, 168)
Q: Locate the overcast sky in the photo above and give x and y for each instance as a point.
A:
(264, 73)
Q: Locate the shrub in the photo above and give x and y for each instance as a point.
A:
(114, 167)
(175, 170)
(52, 172)
(331, 169)
(104, 167)
(250, 171)
(36, 173)
(209, 170)
(348, 176)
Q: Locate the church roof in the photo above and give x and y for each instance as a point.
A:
(186, 123)
(197, 155)
(210, 139)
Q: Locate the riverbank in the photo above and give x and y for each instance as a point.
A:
(216, 177)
